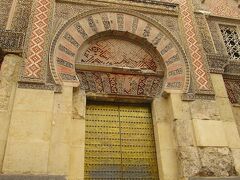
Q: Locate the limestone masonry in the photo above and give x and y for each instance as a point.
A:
(119, 89)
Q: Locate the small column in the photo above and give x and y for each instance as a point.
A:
(8, 83)
(164, 138)
(78, 136)
(59, 152)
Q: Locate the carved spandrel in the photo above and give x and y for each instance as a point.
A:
(217, 62)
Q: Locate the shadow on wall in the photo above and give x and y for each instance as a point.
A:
(2, 54)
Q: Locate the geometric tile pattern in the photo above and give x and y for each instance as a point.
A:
(119, 53)
(200, 71)
(35, 53)
(128, 24)
(196, 55)
(120, 84)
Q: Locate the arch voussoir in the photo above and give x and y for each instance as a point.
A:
(79, 29)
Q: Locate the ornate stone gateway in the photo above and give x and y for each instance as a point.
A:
(119, 142)
(77, 43)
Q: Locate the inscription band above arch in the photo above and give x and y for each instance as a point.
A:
(76, 31)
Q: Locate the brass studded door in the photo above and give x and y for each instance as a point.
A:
(119, 142)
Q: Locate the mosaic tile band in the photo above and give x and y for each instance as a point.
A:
(34, 60)
(200, 71)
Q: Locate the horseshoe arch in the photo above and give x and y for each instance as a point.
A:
(70, 38)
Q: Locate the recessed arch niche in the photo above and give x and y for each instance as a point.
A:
(119, 63)
(121, 25)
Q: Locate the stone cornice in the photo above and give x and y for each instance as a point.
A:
(159, 8)
(50, 87)
(221, 64)
(217, 63)
(223, 19)
(233, 68)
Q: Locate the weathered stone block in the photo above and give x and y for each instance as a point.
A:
(26, 157)
(4, 124)
(184, 132)
(34, 126)
(169, 166)
(216, 162)
(236, 159)
(34, 100)
(232, 134)
(236, 113)
(190, 164)
(63, 102)
(61, 128)
(2, 151)
(160, 110)
(10, 69)
(78, 133)
(204, 110)
(79, 104)
(8, 78)
(76, 163)
(209, 133)
(59, 159)
(164, 134)
(225, 109)
(219, 85)
(180, 109)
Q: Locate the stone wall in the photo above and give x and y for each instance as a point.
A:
(28, 142)
(8, 84)
(206, 141)
(166, 148)
(192, 138)
(43, 131)
(236, 112)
